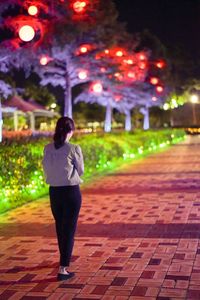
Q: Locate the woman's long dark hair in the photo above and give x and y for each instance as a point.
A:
(63, 126)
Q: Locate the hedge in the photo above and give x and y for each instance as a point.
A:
(22, 180)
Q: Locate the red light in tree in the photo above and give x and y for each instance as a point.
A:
(142, 65)
(106, 51)
(32, 10)
(142, 57)
(119, 53)
(117, 98)
(131, 75)
(154, 98)
(26, 33)
(82, 74)
(159, 89)
(117, 75)
(160, 64)
(84, 49)
(154, 80)
(97, 87)
(103, 70)
(129, 61)
(44, 60)
(79, 6)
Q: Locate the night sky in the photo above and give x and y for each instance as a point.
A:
(175, 22)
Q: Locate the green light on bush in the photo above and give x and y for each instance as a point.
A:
(162, 145)
(140, 151)
(111, 150)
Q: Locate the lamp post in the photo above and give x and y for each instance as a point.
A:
(194, 99)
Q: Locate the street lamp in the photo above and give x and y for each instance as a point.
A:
(194, 99)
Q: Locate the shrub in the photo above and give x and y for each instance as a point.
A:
(22, 180)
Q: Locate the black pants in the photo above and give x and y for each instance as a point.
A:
(65, 205)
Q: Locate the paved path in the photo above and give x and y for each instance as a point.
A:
(138, 236)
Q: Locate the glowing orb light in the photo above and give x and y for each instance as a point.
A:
(44, 60)
(117, 74)
(32, 10)
(103, 70)
(154, 98)
(142, 57)
(83, 49)
(131, 74)
(154, 80)
(160, 64)
(129, 61)
(79, 6)
(159, 89)
(119, 53)
(117, 98)
(26, 33)
(82, 74)
(97, 87)
(53, 105)
(142, 65)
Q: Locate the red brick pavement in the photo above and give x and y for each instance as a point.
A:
(137, 238)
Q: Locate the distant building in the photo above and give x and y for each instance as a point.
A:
(16, 106)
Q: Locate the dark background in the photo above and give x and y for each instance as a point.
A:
(175, 22)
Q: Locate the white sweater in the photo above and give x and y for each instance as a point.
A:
(63, 166)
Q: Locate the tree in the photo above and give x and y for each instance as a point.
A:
(82, 24)
(134, 87)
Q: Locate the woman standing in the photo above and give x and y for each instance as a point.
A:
(63, 165)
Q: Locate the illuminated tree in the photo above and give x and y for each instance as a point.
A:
(43, 30)
(69, 66)
(133, 86)
(33, 23)
(73, 42)
(131, 68)
(125, 95)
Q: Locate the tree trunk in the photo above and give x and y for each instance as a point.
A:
(108, 118)
(1, 122)
(128, 121)
(68, 95)
(15, 115)
(146, 119)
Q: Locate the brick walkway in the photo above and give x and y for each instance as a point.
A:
(138, 236)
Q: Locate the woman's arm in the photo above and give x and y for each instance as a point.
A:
(78, 161)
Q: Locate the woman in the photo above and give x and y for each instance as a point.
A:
(63, 165)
